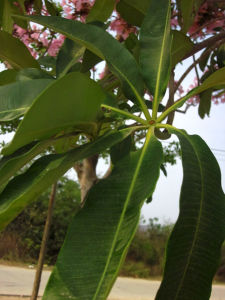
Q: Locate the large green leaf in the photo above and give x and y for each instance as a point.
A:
(155, 44)
(68, 55)
(16, 98)
(24, 188)
(101, 232)
(103, 45)
(101, 10)
(69, 103)
(205, 103)
(181, 45)
(133, 11)
(194, 246)
(15, 52)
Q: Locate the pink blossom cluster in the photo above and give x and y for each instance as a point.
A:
(122, 28)
(38, 40)
(218, 98)
(210, 18)
(76, 9)
(194, 100)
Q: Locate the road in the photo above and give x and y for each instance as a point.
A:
(18, 281)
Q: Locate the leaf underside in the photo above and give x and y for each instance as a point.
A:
(105, 228)
(193, 249)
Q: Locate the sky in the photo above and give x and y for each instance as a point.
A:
(165, 204)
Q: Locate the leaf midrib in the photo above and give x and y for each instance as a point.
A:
(148, 137)
(156, 100)
(198, 220)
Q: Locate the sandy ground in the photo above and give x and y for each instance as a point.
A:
(18, 281)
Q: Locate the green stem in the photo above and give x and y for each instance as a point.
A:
(143, 106)
(176, 105)
(166, 126)
(127, 114)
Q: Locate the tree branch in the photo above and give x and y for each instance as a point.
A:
(207, 43)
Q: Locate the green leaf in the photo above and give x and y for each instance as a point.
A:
(189, 9)
(51, 8)
(205, 103)
(8, 76)
(101, 11)
(68, 55)
(9, 165)
(103, 45)
(193, 249)
(6, 22)
(16, 98)
(47, 61)
(24, 188)
(32, 73)
(15, 52)
(89, 61)
(38, 6)
(155, 44)
(133, 11)
(105, 227)
(181, 45)
(69, 103)
(220, 56)
(204, 59)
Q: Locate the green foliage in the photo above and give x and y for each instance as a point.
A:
(101, 11)
(15, 52)
(17, 97)
(24, 188)
(205, 103)
(81, 117)
(75, 89)
(68, 56)
(8, 76)
(188, 247)
(181, 45)
(6, 21)
(133, 11)
(95, 39)
(155, 45)
(127, 190)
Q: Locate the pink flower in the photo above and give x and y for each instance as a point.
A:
(122, 28)
(55, 45)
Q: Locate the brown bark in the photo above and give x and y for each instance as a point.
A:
(86, 172)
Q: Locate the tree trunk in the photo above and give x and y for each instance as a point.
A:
(86, 172)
